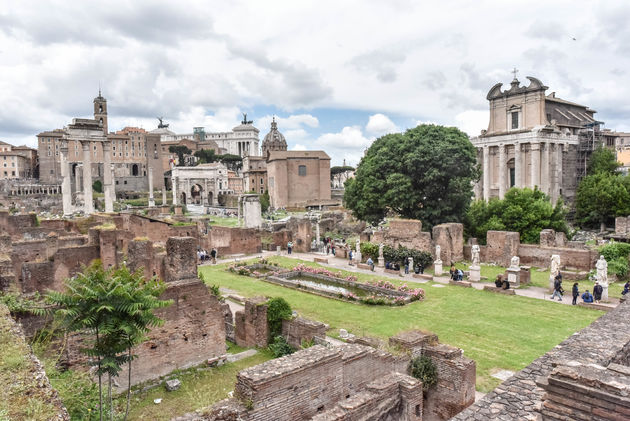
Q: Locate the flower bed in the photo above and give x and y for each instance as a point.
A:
(256, 270)
(333, 284)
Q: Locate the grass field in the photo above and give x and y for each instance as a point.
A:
(497, 331)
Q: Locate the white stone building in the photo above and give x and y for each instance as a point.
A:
(204, 184)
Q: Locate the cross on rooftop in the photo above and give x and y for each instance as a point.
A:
(515, 71)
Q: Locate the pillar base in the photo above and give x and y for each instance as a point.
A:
(514, 276)
(381, 262)
(475, 273)
(437, 268)
(151, 202)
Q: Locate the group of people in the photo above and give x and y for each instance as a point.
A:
(456, 274)
(586, 296)
(329, 245)
(203, 255)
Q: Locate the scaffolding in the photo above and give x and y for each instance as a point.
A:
(589, 138)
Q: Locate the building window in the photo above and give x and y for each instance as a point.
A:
(13, 173)
(302, 170)
(261, 181)
(515, 120)
(261, 190)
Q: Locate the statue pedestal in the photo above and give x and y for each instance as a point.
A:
(475, 273)
(381, 262)
(437, 268)
(605, 293)
(278, 250)
(151, 202)
(514, 276)
(357, 257)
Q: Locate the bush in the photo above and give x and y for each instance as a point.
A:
(277, 310)
(616, 254)
(97, 186)
(279, 347)
(369, 250)
(422, 368)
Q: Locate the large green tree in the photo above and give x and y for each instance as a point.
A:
(603, 193)
(425, 173)
(206, 156)
(525, 211)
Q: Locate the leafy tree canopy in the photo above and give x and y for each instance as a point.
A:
(206, 156)
(180, 150)
(426, 173)
(524, 210)
(233, 162)
(603, 160)
(340, 169)
(602, 196)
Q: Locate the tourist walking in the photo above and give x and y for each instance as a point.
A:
(213, 255)
(350, 257)
(289, 247)
(576, 293)
(597, 292)
(626, 288)
(333, 249)
(406, 262)
(557, 288)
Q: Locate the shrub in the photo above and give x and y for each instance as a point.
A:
(422, 368)
(616, 254)
(279, 347)
(277, 310)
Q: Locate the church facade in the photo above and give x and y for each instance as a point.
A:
(534, 140)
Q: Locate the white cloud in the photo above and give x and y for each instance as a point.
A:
(380, 124)
(299, 147)
(348, 137)
(472, 122)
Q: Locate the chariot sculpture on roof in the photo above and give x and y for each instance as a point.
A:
(245, 120)
(161, 125)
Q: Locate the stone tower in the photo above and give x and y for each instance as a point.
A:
(100, 111)
(274, 140)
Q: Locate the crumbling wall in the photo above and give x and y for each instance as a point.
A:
(250, 324)
(450, 238)
(622, 225)
(297, 330)
(570, 258)
(501, 246)
(551, 238)
(181, 259)
(405, 232)
(301, 234)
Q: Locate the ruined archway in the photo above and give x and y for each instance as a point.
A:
(195, 194)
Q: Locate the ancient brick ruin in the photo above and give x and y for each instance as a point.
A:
(349, 382)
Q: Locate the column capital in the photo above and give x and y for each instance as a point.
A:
(534, 145)
(107, 144)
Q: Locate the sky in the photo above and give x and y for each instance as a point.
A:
(336, 74)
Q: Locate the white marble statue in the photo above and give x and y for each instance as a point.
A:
(602, 271)
(358, 245)
(475, 255)
(438, 253)
(515, 262)
(380, 251)
(554, 269)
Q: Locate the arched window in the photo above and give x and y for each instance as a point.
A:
(134, 169)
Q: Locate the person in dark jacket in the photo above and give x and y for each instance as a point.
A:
(597, 292)
(587, 297)
(499, 281)
(626, 288)
(576, 293)
(557, 288)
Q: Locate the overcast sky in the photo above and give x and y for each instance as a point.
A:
(337, 74)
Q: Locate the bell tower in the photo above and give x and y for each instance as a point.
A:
(100, 111)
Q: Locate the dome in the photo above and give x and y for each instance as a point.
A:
(274, 140)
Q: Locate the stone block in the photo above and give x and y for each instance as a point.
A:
(525, 275)
(320, 260)
(547, 238)
(501, 246)
(460, 284)
(450, 237)
(172, 385)
(181, 259)
(621, 225)
(423, 276)
(475, 273)
(499, 290)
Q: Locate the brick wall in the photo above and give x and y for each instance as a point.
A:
(570, 258)
(181, 259)
(250, 324)
(407, 233)
(297, 330)
(501, 246)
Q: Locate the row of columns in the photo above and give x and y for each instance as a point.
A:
(541, 171)
(34, 189)
(66, 189)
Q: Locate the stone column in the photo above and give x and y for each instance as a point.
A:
(77, 178)
(205, 191)
(151, 198)
(486, 173)
(558, 169)
(187, 192)
(107, 176)
(502, 171)
(545, 169)
(517, 165)
(535, 164)
(174, 189)
(88, 206)
(66, 187)
(113, 189)
(164, 196)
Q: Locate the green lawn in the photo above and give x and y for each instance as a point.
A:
(223, 222)
(497, 331)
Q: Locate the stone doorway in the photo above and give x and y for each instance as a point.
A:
(195, 194)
